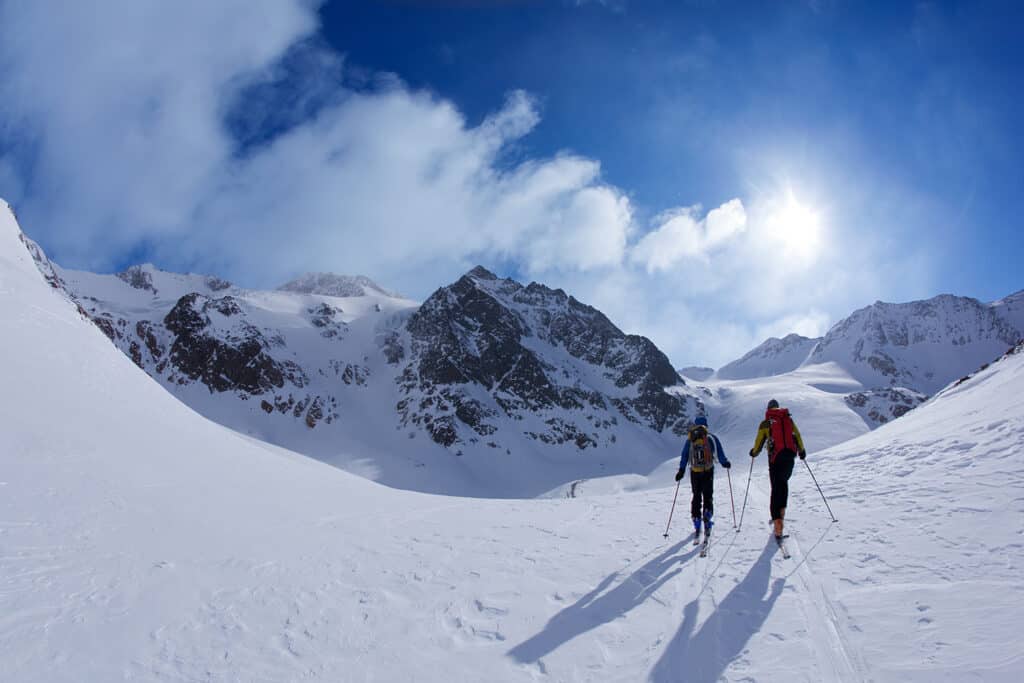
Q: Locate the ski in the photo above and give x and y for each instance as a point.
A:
(704, 546)
(696, 538)
(782, 546)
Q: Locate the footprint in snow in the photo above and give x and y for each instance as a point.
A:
(492, 611)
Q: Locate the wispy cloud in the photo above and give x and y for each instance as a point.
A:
(683, 234)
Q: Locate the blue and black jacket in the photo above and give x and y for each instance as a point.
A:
(719, 451)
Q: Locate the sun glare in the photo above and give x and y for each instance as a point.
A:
(797, 226)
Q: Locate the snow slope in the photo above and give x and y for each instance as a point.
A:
(140, 541)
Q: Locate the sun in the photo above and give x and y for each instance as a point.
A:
(797, 226)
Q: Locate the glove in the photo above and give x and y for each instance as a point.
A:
(803, 454)
(679, 475)
(753, 453)
(727, 464)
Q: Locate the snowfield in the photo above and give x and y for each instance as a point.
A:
(140, 541)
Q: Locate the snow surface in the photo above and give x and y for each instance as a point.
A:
(140, 541)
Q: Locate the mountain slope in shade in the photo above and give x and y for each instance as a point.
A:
(142, 542)
(773, 357)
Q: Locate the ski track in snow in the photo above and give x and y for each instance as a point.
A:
(141, 542)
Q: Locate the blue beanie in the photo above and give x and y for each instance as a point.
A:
(703, 421)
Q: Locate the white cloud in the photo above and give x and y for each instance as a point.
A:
(122, 98)
(683, 235)
(128, 100)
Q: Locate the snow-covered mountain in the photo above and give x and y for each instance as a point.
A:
(140, 541)
(773, 357)
(894, 355)
(921, 345)
(485, 366)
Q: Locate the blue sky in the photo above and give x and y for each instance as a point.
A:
(707, 173)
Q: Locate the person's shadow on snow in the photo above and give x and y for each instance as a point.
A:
(599, 607)
(704, 656)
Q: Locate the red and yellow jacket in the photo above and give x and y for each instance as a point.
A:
(764, 433)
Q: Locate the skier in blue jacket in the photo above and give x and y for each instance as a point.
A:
(698, 450)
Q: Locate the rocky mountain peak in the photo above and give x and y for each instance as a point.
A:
(481, 273)
(486, 349)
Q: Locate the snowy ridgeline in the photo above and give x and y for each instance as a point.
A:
(919, 346)
(140, 541)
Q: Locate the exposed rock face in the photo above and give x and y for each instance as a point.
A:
(216, 284)
(138, 277)
(485, 350)
(882, 405)
(42, 262)
(236, 361)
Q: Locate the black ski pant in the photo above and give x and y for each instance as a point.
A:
(779, 471)
(703, 484)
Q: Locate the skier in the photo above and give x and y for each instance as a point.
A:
(698, 450)
(784, 444)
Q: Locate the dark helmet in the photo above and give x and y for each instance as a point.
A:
(703, 421)
(773, 404)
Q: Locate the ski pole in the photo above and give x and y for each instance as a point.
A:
(673, 509)
(744, 510)
(819, 491)
(727, 473)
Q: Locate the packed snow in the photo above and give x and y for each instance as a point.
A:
(140, 541)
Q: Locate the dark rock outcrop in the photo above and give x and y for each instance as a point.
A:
(484, 349)
(138, 277)
(233, 364)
